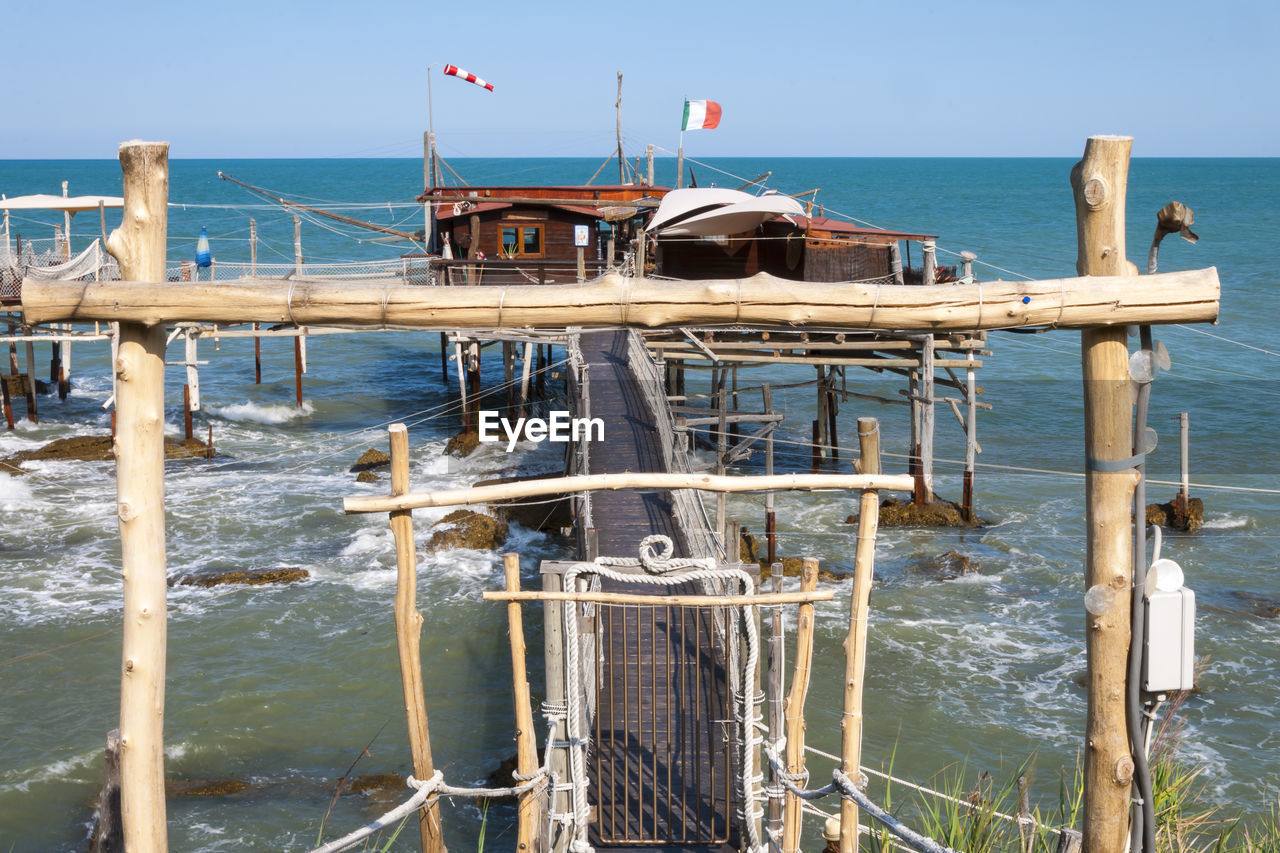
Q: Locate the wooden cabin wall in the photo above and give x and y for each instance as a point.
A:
(845, 260)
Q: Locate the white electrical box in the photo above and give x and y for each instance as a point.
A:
(1171, 646)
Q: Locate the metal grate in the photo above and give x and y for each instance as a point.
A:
(663, 727)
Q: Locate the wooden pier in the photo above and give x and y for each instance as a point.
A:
(654, 706)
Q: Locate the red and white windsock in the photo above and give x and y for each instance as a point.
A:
(455, 71)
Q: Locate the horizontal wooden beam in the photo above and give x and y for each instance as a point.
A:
(614, 300)
(761, 600)
(629, 480)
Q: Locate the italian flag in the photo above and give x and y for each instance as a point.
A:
(700, 115)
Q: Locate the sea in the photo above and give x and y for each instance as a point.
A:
(278, 691)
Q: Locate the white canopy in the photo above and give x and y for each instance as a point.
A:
(72, 204)
(698, 212)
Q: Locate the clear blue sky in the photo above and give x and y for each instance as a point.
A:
(231, 78)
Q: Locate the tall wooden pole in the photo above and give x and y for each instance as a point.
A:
(139, 247)
(1099, 181)
(855, 644)
(622, 160)
(409, 637)
(526, 749)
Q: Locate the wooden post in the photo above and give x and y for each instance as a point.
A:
(970, 439)
(1184, 493)
(31, 379)
(648, 156)
(187, 425)
(795, 705)
(680, 167)
(622, 160)
(855, 644)
(257, 356)
(297, 245)
(776, 711)
(930, 271)
(253, 271)
(926, 420)
(108, 835)
(297, 366)
(526, 750)
(409, 638)
(525, 375)
(139, 247)
(722, 449)
(1099, 182)
(8, 401)
(770, 517)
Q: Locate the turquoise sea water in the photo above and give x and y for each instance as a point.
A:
(283, 686)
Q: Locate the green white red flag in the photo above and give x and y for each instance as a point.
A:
(700, 115)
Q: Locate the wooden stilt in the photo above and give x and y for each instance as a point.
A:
(31, 380)
(1184, 492)
(770, 518)
(409, 638)
(444, 357)
(297, 369)
(926, 420)
(257, 356)
(855, 644)
(1099, 182)
(776, 704)
(139, 247)
(8, 402)
(791, 821)
(526, 370)
(187, 425)
(970, 440)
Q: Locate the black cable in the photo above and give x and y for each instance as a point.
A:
(1142, 828)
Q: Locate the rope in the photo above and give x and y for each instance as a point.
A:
(424, 791)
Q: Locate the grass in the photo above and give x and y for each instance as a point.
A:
(968, 817)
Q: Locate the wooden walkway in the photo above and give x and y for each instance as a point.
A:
(661, 768)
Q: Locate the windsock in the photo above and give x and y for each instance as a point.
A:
(455, 71)
(203, 258)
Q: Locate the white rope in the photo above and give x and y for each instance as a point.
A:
(424, 791)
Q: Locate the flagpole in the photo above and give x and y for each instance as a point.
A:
(680, 150)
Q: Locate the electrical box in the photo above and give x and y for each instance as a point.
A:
(1170, 641)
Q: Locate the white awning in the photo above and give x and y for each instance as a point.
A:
(72, 204)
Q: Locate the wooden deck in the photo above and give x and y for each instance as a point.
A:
(661, 769)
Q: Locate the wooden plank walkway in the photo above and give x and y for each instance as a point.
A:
(661, 770)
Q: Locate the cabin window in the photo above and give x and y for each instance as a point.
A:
(521, 241)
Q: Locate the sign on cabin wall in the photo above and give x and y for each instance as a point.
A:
(581, 236)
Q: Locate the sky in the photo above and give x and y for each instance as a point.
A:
(235, 78)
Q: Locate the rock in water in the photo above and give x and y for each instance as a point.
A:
(1172, 516)
(370, 459)
(463, 444)
(464, 528)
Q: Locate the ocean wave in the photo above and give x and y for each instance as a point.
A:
(270, 413)
(1228, 522)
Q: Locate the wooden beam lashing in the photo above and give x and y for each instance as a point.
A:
(612, 300)
(1099, 183)
(409, 639)
(139, 247)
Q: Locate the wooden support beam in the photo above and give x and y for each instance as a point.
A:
(1099, 182)
(626, 480)
(855, 644)
(139, 247)
(1177, 297)
(763, 599)
(409, 640)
